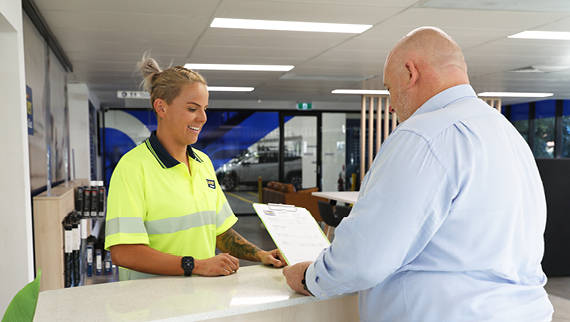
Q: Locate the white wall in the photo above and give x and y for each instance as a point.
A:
(10, 15)
(46, 78)
(354, 106)
(99, 159)
(333, 149)
(35, 62)
(285, 105)
(16, 249)
(78, 96)
(306, 128)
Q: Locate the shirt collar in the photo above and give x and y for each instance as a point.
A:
(445, 98)
(162, 156)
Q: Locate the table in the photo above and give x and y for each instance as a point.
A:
(254, 293)
(344, 196)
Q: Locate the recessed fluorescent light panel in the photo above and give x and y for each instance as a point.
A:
(328, 78)
(512, 94)
(551, 35)
(229, 89)
(360, 91)
(289, 25)
(263, 68)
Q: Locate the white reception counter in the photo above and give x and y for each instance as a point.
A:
(254, 293)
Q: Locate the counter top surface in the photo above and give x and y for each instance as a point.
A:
(173, 298)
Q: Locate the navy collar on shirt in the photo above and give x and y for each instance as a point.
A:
(162, 156)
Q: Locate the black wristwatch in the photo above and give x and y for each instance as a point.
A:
(188, 265)
(304, 282)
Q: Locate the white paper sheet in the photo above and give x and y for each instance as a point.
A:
(294, 231)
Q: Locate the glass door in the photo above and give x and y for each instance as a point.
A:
(300, 154)
(340, 151)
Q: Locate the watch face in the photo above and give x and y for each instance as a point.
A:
(187, 262)
(188, 265)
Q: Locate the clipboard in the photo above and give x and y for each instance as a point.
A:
(294, 230)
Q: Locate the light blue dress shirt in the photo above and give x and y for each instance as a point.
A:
(448, 225)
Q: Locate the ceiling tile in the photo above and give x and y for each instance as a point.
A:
(305, 11)
(151, 8)
(472, 19)
(105, 39)
(504, 5)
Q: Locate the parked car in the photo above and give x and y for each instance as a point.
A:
(248, 167)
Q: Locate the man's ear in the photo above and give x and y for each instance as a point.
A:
(160, 107)
(413, 73)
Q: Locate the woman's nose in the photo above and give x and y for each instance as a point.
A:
(202, 116)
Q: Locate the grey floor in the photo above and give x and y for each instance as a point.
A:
(558, 288)
(242, 198)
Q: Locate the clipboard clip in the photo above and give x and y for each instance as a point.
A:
(282, 207)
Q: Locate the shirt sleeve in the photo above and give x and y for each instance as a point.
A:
(225, 217)
(126, 207)
(403, 201)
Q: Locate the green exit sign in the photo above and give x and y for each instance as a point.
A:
(304, 106)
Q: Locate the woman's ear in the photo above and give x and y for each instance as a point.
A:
(160, 107)
(413, 73)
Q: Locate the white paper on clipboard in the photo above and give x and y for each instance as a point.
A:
(294, 230)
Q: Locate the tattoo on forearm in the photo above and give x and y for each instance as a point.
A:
(237, 246)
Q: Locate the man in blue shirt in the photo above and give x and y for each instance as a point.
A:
(450, 218)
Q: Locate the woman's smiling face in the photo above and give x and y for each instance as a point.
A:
(186, 114)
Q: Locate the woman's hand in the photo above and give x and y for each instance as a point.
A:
(220, 265)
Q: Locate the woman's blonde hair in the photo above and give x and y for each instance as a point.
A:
(165, 84)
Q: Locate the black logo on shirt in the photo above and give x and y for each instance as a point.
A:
(211, 183)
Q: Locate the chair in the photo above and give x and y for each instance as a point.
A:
(23, 305)
(327, 214)
(342, 211)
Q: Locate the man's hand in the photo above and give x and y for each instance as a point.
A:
(294, 274)
(273, 257)
(222, 264)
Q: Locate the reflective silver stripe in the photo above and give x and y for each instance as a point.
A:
(175, 224)
(128, 225)
(224, 213)
(134, 225)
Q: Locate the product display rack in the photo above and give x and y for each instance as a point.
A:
(48, 214)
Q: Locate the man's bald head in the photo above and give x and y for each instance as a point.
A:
(423, 63)
(433, 46)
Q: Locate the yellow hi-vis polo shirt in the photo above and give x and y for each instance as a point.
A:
(154, 200)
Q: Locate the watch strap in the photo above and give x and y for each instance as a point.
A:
(304, 282)
(188, 265)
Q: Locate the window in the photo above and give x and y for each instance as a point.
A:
(544, 129)
(565, 144)
(520, 117)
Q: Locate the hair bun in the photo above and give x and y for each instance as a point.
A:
(150, 70)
